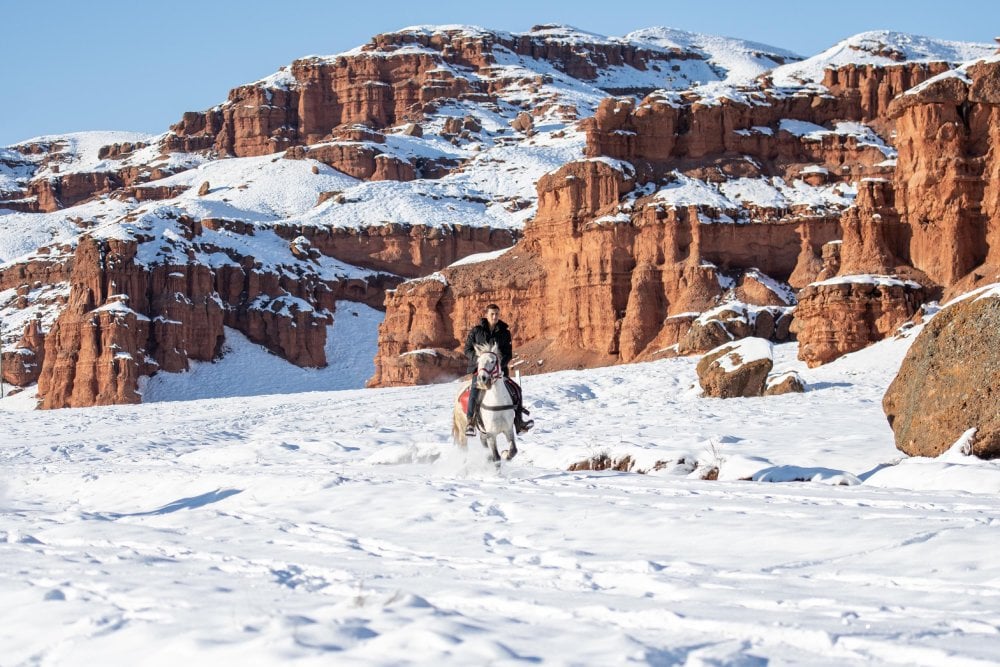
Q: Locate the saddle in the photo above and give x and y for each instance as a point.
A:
(516, 397)
(513, 388)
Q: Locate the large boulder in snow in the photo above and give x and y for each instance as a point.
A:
(949, 381)
(737, 369)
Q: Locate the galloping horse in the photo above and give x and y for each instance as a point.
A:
(496, 410)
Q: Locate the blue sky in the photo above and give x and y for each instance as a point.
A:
(67, 66)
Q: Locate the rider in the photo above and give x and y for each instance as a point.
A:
(491, 329)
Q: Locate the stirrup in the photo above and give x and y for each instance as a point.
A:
(525, 426)
(470, 429)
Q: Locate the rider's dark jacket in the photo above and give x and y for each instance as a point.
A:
(481, 334)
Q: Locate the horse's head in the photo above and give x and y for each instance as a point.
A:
(488, 368)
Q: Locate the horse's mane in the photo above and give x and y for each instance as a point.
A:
(483, 349)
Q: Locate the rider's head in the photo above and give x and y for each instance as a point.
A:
(493, 314)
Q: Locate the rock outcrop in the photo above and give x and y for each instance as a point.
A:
(396, 79)
(403, 249)
(618, 274)
(126, 319)
(846, 314)
(946, 184)
(23, 364)
(949, 382)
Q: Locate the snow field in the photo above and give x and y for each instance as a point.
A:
(305, 527)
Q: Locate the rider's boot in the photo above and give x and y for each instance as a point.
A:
(521, 425)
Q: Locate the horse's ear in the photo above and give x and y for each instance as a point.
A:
(480, 349)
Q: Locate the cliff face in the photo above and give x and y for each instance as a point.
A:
(694, 216)
(585, 287)
(126, 319)
(405, 250)
(396, 78)
(946, 186)
(936, 221)
(618, 272)
(617, 269)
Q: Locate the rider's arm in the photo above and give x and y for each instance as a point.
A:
(470, 344)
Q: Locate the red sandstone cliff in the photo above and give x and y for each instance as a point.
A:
(608, 271)
(611, 277)
(125, 319)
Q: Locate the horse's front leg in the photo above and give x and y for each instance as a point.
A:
(512, 452)
(491, 442)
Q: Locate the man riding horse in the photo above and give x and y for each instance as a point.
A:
(491, 329)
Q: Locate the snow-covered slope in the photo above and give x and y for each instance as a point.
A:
(733, 61)
(343, 526)
(879, 47)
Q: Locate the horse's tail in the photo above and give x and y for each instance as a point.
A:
(458, 423)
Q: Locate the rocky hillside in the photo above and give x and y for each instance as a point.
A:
(659, 193)
(863, 186)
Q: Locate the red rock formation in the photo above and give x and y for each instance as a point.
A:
(70, 189)
(383, 84)
(946, 178)
(119, 151)
(871, 229)
(659, 134)
(939, 218)
(360, 160)
(375, 88)
(405, 250)
(582, 288)
(836, 317)
(92, 356)
(42, 268)
(23, 364)
(947, 384)
(868, 90)
(125, 320)
(612, 289)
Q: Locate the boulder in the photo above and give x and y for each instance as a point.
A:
(789, 382)
(523, 123)
(737, 369)
(949, 381)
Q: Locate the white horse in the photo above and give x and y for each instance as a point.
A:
(496, 410)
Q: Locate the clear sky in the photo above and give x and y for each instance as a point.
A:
(70, 65)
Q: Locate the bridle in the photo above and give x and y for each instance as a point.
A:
(494, 373)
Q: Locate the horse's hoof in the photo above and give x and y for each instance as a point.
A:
(509, 454)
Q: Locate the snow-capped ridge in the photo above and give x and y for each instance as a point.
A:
(878, 47)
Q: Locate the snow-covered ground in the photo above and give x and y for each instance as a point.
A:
(342, 527)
